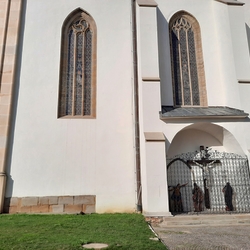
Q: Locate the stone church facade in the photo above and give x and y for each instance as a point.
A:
(106, 106)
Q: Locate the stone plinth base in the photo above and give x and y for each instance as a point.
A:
(51, 204)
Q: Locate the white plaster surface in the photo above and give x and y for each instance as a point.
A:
(225, 61)
(53, 156)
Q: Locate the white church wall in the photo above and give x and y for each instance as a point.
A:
(75, 156)
(224, 48)
(239, 42)
(220, 89)
(182, 142)
(151, 106)
(222, 137)
(71, 157)
(244, 89)
(148, 46)
(235, 142)
(221, 73)
(156, 193)
(209, 47)
(246, 8)
(153, 179)
(164, 59)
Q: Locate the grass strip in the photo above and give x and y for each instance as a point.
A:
(119, 231)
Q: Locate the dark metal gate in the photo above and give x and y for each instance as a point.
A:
(209, 182)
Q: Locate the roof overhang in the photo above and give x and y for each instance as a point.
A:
(214, 113)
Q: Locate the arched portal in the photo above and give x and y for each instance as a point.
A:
(193, 136)
(211, 180)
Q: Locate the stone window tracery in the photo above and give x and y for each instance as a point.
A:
(78, 67)
(189, 88)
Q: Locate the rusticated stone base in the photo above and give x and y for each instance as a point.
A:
(51, 204)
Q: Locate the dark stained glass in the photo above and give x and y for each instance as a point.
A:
(186, 85)
(70, 72)
(76, 82)
(176, 69)
(193, 68)
(87, 72)
(185, 67)
(79, 74)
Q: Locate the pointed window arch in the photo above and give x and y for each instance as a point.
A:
(77, 90)
(188, 77)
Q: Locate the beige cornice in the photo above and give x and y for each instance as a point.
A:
(147, 3)
(150, 79)
(208, 117)
(230, 2)
(154, 136)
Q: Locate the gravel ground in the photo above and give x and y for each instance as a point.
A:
(204, 238)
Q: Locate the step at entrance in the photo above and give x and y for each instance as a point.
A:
(206, 220)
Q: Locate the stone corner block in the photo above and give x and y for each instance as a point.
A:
(29, 201)
(73, 208)
(43, 200)
(53, 200)
(57, 209)
(14, 201)
(40, 209)
(13, 210)
(89, 209)
(84, 199)
(65, 200)
(26, 209)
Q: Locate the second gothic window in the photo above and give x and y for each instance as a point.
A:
(78, 67)
(187, 63)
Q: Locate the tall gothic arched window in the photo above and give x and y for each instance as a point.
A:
(188, 77)
(77, 91)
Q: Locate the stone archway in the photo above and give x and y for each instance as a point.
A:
(190, 138)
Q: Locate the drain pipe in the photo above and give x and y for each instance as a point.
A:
(136, 110)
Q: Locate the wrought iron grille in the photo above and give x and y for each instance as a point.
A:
(221, 179)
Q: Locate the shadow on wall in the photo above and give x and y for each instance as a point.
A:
(164, 59)
(167, 144)
(248, 35)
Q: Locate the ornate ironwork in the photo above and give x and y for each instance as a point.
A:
(223, 180)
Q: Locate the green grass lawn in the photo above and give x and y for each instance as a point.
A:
(119, 231)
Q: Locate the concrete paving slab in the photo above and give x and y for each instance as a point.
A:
(95, 246)
(208, 237)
